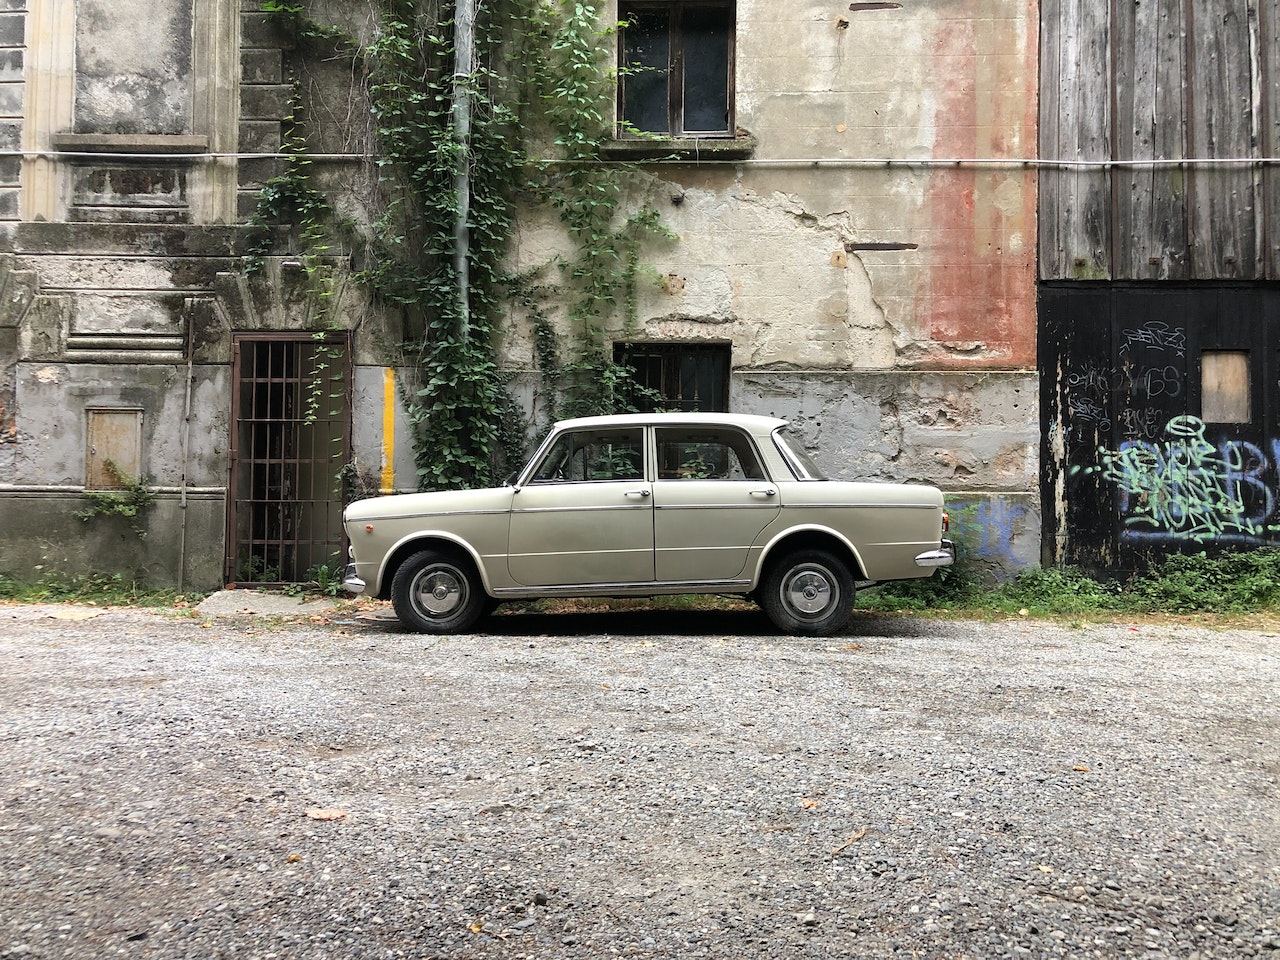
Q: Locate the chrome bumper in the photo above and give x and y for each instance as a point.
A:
(943, 557)
(350, 582)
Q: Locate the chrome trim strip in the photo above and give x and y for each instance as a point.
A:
(600, 509)
(746, 505)
(644, 588)
(861, 506)
(434, 513)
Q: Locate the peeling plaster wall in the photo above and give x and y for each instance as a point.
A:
(51, 450)
(108, 276)
(889, 308)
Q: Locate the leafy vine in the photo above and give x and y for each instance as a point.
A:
(132, 498)
(541, 80)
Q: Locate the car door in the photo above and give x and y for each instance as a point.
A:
(585, 513)
(711, 500)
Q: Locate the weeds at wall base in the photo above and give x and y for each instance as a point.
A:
(1244, 587)
(1234, 584)
(93, 589)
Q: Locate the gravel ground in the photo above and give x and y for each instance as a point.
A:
(636, 784)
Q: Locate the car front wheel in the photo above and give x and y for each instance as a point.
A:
(808, 592)
(435, 593)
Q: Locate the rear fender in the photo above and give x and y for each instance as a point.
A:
(810, 536)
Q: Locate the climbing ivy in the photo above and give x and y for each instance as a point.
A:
(575, 89)
(540, 111)
(129, 501)
(460, 403)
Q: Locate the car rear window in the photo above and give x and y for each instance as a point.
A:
(797, 457)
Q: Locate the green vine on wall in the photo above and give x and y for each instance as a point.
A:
(461, 402)
(576, 88)
(542, 81)
(130, 501)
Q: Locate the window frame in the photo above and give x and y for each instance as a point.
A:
(725, 443)
(629, 440)
(675, 70)
(668, 357)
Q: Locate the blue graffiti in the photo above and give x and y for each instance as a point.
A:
(991, 528)
(1186, 488)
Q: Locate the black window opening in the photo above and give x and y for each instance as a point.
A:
(678, 376)
(676, 68)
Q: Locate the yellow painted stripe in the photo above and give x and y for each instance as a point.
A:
(388, 430)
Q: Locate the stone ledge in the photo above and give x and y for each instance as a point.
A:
(35, 238)
(680, 149)
(129, 143)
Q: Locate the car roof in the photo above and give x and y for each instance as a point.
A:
(749, 421)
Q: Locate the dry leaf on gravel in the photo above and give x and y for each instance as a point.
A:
(321, 813)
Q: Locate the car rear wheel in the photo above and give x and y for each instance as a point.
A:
(433, 592)
(808, 592)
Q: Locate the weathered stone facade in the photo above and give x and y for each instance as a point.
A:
(870, 264)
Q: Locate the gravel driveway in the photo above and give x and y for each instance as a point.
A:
(637, 784)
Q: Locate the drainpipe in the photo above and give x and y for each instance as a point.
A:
(464, 55)
(186, 446)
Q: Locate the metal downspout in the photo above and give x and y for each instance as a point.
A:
(186, 445)
(464, 55)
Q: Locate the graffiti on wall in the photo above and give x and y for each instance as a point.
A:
(992, 529)
(1182, 487)
(1150, 376)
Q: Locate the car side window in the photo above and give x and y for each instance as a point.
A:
(580, 456)
(706, 454)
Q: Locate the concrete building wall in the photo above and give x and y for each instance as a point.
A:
(875, 282)
(118, 229)
(870, 263)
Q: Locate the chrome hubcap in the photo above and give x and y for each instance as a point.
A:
(809, 591)
(441, 590)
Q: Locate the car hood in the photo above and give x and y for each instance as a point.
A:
(425, 504)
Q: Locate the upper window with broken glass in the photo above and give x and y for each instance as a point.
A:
(675, 76)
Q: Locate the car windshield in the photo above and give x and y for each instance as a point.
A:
(797, 458)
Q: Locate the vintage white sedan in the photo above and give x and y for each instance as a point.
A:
(643, 505)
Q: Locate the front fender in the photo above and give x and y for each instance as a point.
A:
(411, 543)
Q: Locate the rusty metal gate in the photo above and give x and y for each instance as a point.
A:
(290, 438)
(1160, 409)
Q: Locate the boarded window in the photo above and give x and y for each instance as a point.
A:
(1224, 386)
(676, 68)
(113, 447)
(678, 376)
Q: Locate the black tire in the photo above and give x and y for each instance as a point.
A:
(434, 592)
(808, 592)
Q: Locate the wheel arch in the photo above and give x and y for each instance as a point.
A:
(460, 550)
(811, 538)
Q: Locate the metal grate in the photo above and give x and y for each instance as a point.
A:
(290, 437)
(687, 376)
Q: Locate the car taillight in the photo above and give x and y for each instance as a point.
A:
(946, 522)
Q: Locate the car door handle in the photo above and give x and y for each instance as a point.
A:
(637, 493)
(770, 492)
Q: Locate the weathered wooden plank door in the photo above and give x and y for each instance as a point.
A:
(1159, 135)
(1160, 418)
(1075, 202)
